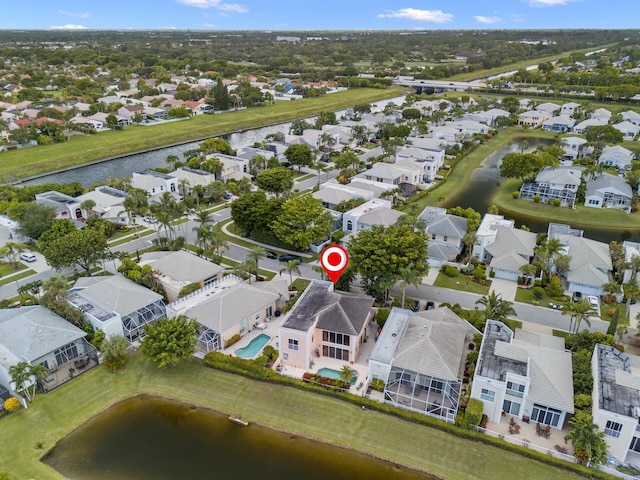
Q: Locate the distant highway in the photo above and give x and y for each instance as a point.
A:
(438, 86)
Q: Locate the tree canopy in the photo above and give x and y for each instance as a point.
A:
(80, 248)
(380, 254)
(302, 221)
(275, 180)
(299, 155)
(168, 341)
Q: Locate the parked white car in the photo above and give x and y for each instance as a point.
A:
(28, 257)
(594, 302)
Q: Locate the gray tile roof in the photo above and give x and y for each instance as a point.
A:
(432, 342)
(445, 252)
(115, 293)
(31, 332)
(182, 266)
(339, 312)
(226, 309)
(512, 240)
(610, 184)
(563, 175)
(448, 225)
(584, 250)
(510, 262)
(380, 216)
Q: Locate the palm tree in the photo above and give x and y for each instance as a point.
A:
(254, 255)
(173, 161)
(115, 352)
(292, 266)
(55, 287)
(408, 276)
(12, 251)
(634, 266)
(523, 145)
(21, 376)
(328, 141)
(347, 374)
(183, 185)
(548, 251)
(528, 271)
(588, 443)
(580, 312)
(495, 307)
(469, 239)
(217, 243)
(88, 205)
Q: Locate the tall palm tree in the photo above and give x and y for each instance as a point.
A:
(88, 205)
(548, 251)
(217, 243)
(254, 255)
(11, 251)
(588, 443)
(347, 373)
(469, 239)
(292, 266)
(408, 276)
(495, 307)
(580, 312)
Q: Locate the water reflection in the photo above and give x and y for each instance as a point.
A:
(152, 438)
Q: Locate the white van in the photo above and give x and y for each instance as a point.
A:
(28, 257)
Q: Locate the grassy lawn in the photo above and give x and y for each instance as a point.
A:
(623, 320)
(19, 276)
(299, 284)
(461, 282)
(55, 414)
(130, 231)
(525, 295)
(27, 162)
(9, 269)
(578, 217)
(124, 239)
(305, 177)
(461, 172)
(478, 74)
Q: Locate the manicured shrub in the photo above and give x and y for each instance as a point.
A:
(326, 381)
(554, 289)
(11, 404)
(381, 316)
(232, 340)
(186, 290)
(473, 412)
(537, 198)
(450, 271)
(515, 195)
(538, 293)
(479, 274)
(556, 202)
(377, 384)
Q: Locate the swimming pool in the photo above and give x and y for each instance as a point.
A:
(255, 346)
(335, 374)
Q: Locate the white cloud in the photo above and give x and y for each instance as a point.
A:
(483, 19)
(68, 26)
(73, 14)
(416, 15)
(210, 25)
(547, 3)
(217, 4)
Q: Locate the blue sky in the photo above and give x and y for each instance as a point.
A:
(319, 14)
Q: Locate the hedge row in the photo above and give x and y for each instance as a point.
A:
(250, 369)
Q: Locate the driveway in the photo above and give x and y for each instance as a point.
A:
(505, 288)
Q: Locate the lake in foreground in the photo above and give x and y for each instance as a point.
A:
(152, 438)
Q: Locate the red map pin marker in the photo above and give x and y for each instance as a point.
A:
(334, 260)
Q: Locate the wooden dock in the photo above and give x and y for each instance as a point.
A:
(239, 421)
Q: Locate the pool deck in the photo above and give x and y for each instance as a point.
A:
(361, 365)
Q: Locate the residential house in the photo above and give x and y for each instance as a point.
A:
(524, 374)
(489, 117)
(549, 108)
(558, 124)
(80, 120)
(569, 109)
(428, 160)
(154, 113)
(629, 130)
(232, 167)
(554, 183)
(590, 264)
(371, 213)
(199, 107)
(616, 156)
(116, 305)
(226, 308)
(445, 233)
(584, 126)
(102, 118)
(392, 174)
(38, 336)
(154, 183)
(532, 118)
(331, 194)
(249, 153)
(188, 178)
(601, 114)
(631, 116)
(130, 111)
(9, 231)
(469, 128)
(574, 148)
(421, 359)
(616, 401)
(608, 191)
(486, 234)
(64, 205)
(450, 135)
(378, 189)
(324, 323)
(511, 249)
(109, 203)
(177, 270)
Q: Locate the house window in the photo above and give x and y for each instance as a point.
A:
(349, 225)
(445, 238)
(511, 407)
(487, 395)
(545, 415)
(285, 356)
(613, 429)
(515, 389)
(269, 312)
(433, 236)
(293, 344)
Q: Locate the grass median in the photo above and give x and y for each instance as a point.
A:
(27, 162)
(55, 414)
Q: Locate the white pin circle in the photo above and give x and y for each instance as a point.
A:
(325, 259)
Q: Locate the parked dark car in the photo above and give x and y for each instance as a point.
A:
(286, 258)
(430, 305)
(577, 297)
(227, 196)
(271, 255)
